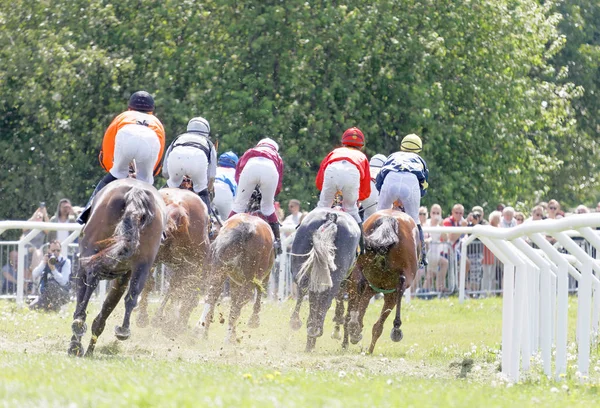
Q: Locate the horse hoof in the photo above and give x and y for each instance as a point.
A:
(75, 349)
(78, 327)
(396, 334)
(314, 332)
(336, 335)
(354, 339)
(295, 323)
(254, 321)
(121, 333)
(143, 320)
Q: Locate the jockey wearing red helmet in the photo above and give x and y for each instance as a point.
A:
(345, 169)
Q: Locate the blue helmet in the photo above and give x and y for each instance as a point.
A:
(228, 159)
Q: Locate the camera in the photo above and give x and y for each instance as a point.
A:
(42, 204)
(52, 260)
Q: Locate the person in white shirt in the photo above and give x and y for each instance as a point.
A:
(53, 272)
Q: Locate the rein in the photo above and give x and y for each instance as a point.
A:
(379, 290)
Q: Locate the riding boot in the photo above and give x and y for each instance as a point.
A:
(277, 243)
(423, 254)
(85, 214)
(361, 242)
(205, 198)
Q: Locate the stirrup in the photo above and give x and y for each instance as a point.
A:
(277, 246)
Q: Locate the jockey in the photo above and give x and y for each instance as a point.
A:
(369, 205)
(225, 184)
(192, 154)
(346, 169)
(262, 167)
(404, 177)
(135, 134)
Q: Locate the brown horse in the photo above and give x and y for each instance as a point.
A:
(184, 252)
(120, 243)
(388, 266)
(244, 252)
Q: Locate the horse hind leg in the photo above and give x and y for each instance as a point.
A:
(138, 280)
(295, 321)
(115, 294)
(215, 288)
(356, 323)
(396, 334)
(389, 300)
(338, 318)
(239, 297)
(254, 321)
(143, 318)
(78, 326)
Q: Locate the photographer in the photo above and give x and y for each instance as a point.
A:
(54, 272)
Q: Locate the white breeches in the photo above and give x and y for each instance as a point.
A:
(223, 200)
(139, 143)
(401, 186)
(370, 203)
(261, 172)
(341, 176)
(188, 161)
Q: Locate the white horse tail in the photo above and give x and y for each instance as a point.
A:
(321, 258)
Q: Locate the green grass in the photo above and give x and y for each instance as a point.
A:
(449, 357)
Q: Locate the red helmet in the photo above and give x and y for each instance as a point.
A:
(353, 137)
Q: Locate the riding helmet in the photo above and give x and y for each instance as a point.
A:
(269, 142)
(228, 159)
(377, 161)
(199, 125)
(141, 101)
(353, 137)
(411, 143)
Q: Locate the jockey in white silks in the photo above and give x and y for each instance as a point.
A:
(192, 154)
(404, 177)
(225, 184)
(369, 205)
(262, 167)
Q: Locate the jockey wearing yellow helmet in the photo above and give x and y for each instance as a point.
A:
(404, 177)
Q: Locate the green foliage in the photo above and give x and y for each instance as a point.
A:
(472, 78)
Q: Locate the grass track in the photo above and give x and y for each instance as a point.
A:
(449, 357)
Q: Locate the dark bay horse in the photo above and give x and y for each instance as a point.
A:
(185, 252)
(243, 251)
(119, 243)
(323, 251)
(388, 266)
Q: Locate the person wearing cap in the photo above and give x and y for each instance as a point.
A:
(369, 204)
(403, 178)
(225, 184)
(192, 154)
(262, 167)
(479, 216)
(346, 169)
(135, 135)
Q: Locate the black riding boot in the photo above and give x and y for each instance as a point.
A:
(85, 214)
(361, 242)
(205, 198)
(277, 244)
(423, 255)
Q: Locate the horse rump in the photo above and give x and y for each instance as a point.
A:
(177, 219)
(383, 235)
(138, 213)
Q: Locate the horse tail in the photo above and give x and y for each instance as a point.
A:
(321, 258)
(229, 237)
(137, 214)
(177, 219)
(384, 235)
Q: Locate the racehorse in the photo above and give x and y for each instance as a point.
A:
(323, 251)
(243, 251)
(185, 252)
(389, 266)
(119, 243)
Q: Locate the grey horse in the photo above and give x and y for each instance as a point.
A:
(323, 252)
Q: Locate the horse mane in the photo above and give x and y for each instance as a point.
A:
(383, 236)
(138, 213)
(177, 219)
(321, 258)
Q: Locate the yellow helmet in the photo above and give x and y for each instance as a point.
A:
(411, 143)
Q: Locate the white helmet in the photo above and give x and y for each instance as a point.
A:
(378, 160)
(199, 125)
(270, 142)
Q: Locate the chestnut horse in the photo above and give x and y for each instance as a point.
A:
(323, 251)
(243, 251)
(184, 251)
(119, 243)
(388, 266)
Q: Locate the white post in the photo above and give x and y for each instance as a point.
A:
(462, 276)
(21, 265)
(583, 313)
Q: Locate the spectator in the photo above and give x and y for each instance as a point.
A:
(40, 215)
(489, 260)
(295, 213)
(64, 214)
(508, 218)
(54, 272)
(437, 256)
(519, 217)
(554, 211)
(598, 207)
(423, 216)
(436, 210)
(9, 274)
(478, 216)
(582, 209)
(537, 213)
(456, 219)
(500, 207)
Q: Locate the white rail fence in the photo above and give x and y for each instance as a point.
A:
(535, 284)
